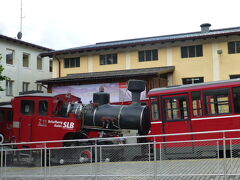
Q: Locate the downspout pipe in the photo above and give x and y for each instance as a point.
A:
(59, 66)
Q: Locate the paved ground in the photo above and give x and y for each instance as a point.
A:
(201, 169)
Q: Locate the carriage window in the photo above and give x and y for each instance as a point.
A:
(27, 107)
(1, 116)
(43, 108)
(217, 101)
(236, 99)
(154, 108)
(176, 108)
(10, 116)
(196, 104)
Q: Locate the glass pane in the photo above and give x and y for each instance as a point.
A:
(148, 55)
(191, 50)
(72, 63)
(231, 48)
(9, 56)
(1, 116)
(238, 46)
(39, 63)
(236, 99)
(155, 54)
(114, 56)
(77, 62)
(43, 108)
(66, 63)
(184, 52)
(141, 56)
(27, 107)
(102, 59)
(10, 116)
(199, 51)
(25, 60)
(154, 108)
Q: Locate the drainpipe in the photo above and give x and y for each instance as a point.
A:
(59, 66)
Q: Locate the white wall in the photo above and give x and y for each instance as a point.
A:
(20, 74)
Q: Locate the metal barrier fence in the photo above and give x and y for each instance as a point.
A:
(169, 157)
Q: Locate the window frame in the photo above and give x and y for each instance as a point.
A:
(192, 51)
(72, 62)
(108, 59)
(25, 86)
(233, 47)
(155, 101)
(39, 58)
(9, 87)
(40, 111)
(26, 60)
(50, 65)
(165, 110)
(193, 80)
(216, 93)
(148, 55)
(12, 56)
(31, 104)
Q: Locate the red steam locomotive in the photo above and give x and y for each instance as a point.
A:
(46, 117)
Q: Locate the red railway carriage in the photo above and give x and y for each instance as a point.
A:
(40, 117)
(199, 107)
(6, 123)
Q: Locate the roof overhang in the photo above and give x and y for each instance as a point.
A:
(131, 73)
(24, 43)
(144, 41)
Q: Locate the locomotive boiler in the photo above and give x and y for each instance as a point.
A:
(102, 115)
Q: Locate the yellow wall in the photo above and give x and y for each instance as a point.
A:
(192, 67)
(211, 66)
(82, 69)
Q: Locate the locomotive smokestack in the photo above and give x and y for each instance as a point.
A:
(136, 87)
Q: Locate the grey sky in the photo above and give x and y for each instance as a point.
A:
(60, 24)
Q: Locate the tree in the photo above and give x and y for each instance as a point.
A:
(2, 77)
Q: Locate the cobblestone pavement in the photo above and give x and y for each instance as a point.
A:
(199, 169)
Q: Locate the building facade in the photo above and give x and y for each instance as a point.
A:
(23, 65)
(202, 56)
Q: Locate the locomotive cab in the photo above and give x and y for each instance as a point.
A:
(43, 117)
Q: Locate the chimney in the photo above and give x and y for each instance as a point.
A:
(205, 27)
(136, 87)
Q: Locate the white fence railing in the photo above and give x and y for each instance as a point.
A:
(206, 155)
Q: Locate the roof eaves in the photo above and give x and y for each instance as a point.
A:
(149, 40)
(24, 43)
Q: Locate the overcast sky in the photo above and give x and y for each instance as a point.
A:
(61, 24)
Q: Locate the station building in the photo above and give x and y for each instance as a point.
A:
(186, 58)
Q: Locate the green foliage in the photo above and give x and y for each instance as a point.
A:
(2, 78)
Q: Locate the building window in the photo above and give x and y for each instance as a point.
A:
(148, 55)
(108, 59)
(9, 56)
(234, 76)
(9, 88)
(39, 87)
(25, 86)
(191, 51)
(72, 62)
(233, 47)
(192, 80)
(50, 65)
(39, 63)
(25, 60)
